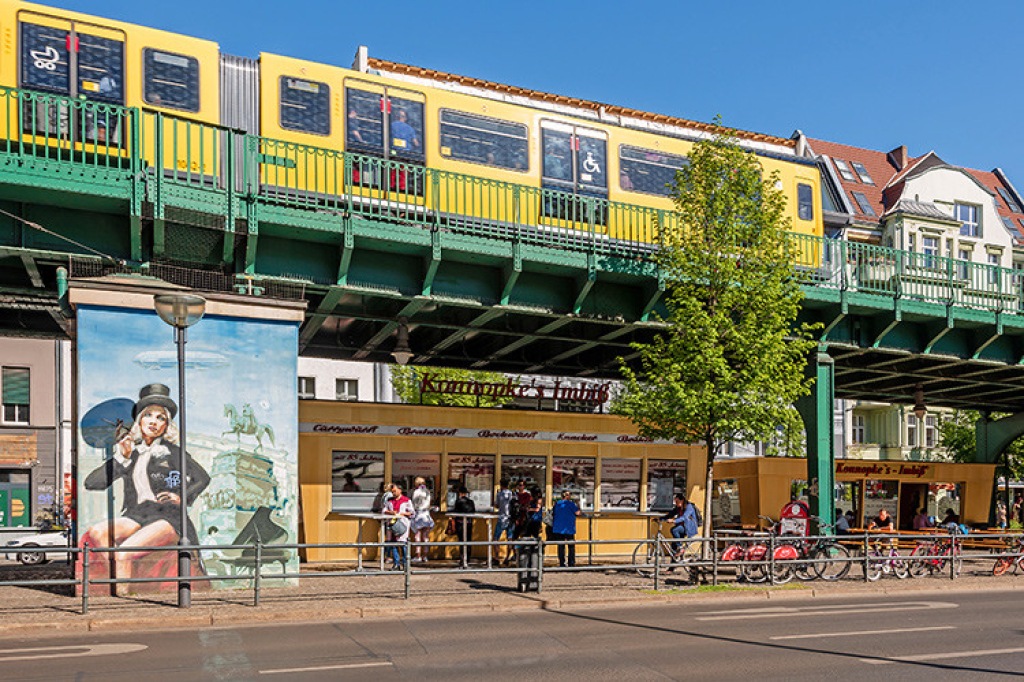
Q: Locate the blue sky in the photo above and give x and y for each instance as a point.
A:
(938, 75)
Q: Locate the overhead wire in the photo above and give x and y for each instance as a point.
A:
(44, 230)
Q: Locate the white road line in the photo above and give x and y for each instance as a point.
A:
(864, 632)
(375, 664)
(37, 653)
(939, 657)
(783, 612)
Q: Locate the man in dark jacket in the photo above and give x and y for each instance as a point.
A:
(464, 526)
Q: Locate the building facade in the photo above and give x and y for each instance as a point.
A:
(35, 442)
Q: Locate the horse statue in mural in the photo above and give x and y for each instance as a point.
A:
(246, 423)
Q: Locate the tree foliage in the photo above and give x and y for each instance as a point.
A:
(407, 380)
(957, 436)
(729, 363)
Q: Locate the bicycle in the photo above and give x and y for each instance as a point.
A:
(757, 566)
(826, 558)
(931, 556)
(881, 561)
(644, 555)
(1004, 563)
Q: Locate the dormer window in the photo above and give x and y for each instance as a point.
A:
(863, 173)
(1010, 203)
(863, 203)
(844, 170)
(968, 217)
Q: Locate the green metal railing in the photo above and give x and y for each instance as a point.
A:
(181, 160)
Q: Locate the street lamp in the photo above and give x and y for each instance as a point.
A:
(919, 409)
(181, 311)
(402, 353)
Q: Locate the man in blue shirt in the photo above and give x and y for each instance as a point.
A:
(403, 135)
(684, 523)
(563, 526)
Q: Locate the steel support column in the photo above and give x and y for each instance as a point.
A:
(816, 412)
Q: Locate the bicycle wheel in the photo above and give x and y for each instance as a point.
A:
(806, 571)
(783, 574)
(900, 566)
(644, 554)
(918, 568)
(755, 572)
(832, 562)
(1002, 565)
(873, 569)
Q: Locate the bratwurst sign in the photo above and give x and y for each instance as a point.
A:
(596, 394)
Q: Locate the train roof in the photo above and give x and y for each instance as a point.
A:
(605, 113)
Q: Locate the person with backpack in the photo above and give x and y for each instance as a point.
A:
(686, 521)
(506, 518)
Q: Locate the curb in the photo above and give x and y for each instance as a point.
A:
(255, 616)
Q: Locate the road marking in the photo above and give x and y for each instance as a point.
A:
(325, 667)
(789, 612)
(37, 653)
(939, 657)
(865, 632)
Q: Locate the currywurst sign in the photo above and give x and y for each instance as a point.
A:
(596, 394)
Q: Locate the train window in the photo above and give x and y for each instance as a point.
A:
(305, 106)
(406, 128)
(557, 161)
(44, 58)
(100, 68)
(804, 201)
(170, 80)
(483, 140)
(648, 171)
(592, 161)
(364, 121)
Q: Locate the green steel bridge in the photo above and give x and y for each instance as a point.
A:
(485, 274)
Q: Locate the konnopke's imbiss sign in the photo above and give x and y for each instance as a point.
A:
(596, 394)
(883, 469)
(491, 434)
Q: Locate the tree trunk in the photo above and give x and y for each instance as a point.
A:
(708, 529)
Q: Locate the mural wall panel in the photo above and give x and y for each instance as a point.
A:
(242, 448)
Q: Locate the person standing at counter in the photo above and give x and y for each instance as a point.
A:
(563, 516)
(464, 526)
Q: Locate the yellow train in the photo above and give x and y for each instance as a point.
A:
(367, 132)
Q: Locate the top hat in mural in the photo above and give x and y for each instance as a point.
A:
(155, 394)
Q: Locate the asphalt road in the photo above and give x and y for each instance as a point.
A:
(946, 635)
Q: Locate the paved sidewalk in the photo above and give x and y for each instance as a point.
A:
(25, 611)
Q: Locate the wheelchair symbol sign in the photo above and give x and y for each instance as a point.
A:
(590, 165)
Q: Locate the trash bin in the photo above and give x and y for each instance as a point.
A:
(528, 557)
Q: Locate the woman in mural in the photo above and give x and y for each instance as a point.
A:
(147, 460)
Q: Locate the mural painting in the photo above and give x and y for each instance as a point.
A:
(241, 451)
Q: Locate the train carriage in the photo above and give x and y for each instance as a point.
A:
(380, 138)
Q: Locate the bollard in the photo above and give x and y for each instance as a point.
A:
(257, 580)
(540, 565)
(85, 580)
(714, 562)
(866, 556)
(407, 566)
(952, 555)
(657, 566)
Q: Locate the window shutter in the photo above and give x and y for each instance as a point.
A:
(15, 386)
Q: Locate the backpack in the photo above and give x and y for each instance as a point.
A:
(515, 509)
(697, 514)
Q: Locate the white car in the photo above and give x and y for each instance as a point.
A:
(47, 539)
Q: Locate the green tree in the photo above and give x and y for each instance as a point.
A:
(728, 364)
(408, 381)
(957, 436)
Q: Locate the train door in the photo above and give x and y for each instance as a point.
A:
(386, 123)
(74, 60)
(574, 165)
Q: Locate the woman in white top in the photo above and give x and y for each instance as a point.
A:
(422, 521)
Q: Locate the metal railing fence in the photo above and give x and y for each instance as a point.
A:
(166, 156)
(765, 558)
